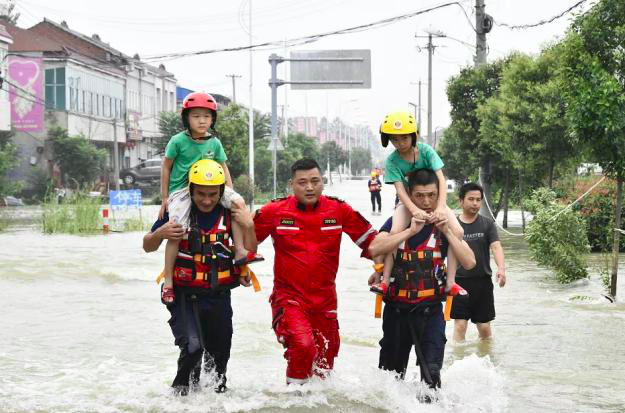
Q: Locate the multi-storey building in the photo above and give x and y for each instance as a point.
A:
(84, 85)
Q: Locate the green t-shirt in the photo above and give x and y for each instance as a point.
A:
(396, 168)
(185, 151)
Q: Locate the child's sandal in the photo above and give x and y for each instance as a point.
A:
(379, 288)
(249, 258)
(167, 295)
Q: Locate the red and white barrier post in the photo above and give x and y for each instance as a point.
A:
(105, 220)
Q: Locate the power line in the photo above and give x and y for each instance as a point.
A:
(38, 100)
(310, 38)
(185, 25)
(541, 22)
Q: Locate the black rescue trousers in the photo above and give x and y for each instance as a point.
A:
(201, 325)
(375, 196)
(423, 327)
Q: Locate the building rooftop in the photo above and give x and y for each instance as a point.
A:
(4, 35)
(50, 37)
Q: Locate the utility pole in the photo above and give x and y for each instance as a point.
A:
(483, 25)
(250, 121)
(115, 155)
(417, 107)
(281, 127)
(274, 60)
(430, 47)
(349, 151)
(419, 120)
(480, 34)
(286, 101)
(430, 53)
(234, 89)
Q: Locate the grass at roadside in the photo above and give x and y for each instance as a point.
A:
(78, 214)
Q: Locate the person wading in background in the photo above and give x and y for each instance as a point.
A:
(481, 234)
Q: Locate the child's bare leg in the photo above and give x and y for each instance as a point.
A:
(386, 273)
(241, 254)
(171, 252)
(453, 223)
(401, 219)
(237, 235)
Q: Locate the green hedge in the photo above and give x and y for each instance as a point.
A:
(597, 208)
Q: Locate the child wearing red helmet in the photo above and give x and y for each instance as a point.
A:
(199, 113)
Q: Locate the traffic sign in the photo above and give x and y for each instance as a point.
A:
(125, 199)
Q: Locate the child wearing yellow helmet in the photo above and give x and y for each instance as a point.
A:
(400, 128)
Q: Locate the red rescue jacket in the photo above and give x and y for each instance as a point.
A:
(419, 275)
(213, 262)
(307, 241)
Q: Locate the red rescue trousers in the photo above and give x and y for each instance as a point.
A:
(311, 339)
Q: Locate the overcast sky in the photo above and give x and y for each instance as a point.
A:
(397, 61)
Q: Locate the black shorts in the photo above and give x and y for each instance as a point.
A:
(479, 307)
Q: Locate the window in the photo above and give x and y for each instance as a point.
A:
(55, 88)
(97, 104)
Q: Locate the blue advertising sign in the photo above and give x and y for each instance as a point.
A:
(127, 199)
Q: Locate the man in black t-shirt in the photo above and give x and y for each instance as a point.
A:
(481, 235)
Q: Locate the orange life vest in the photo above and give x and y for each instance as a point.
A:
(205, 259)
(419, 275)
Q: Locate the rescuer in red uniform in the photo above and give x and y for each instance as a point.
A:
(306, 229)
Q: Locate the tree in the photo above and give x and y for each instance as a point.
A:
(331, 152)
(169, 124)
(524, 123)
(78, 159)
(361, 160)
(8, 160)
(232, 129)
(9, 14)
(594, 79)
(463, 149)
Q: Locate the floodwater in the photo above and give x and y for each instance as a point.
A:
(83, 330)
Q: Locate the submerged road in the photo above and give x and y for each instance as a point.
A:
(83, 330)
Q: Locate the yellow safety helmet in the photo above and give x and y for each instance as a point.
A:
(398, 123)
(206, 172)
(374, 174)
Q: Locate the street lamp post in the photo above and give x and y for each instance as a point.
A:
(435, 135)
(415, 106)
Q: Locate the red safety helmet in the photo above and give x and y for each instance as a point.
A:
(198, 100)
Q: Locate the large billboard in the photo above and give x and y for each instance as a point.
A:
(331, 69)
(25, 77)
